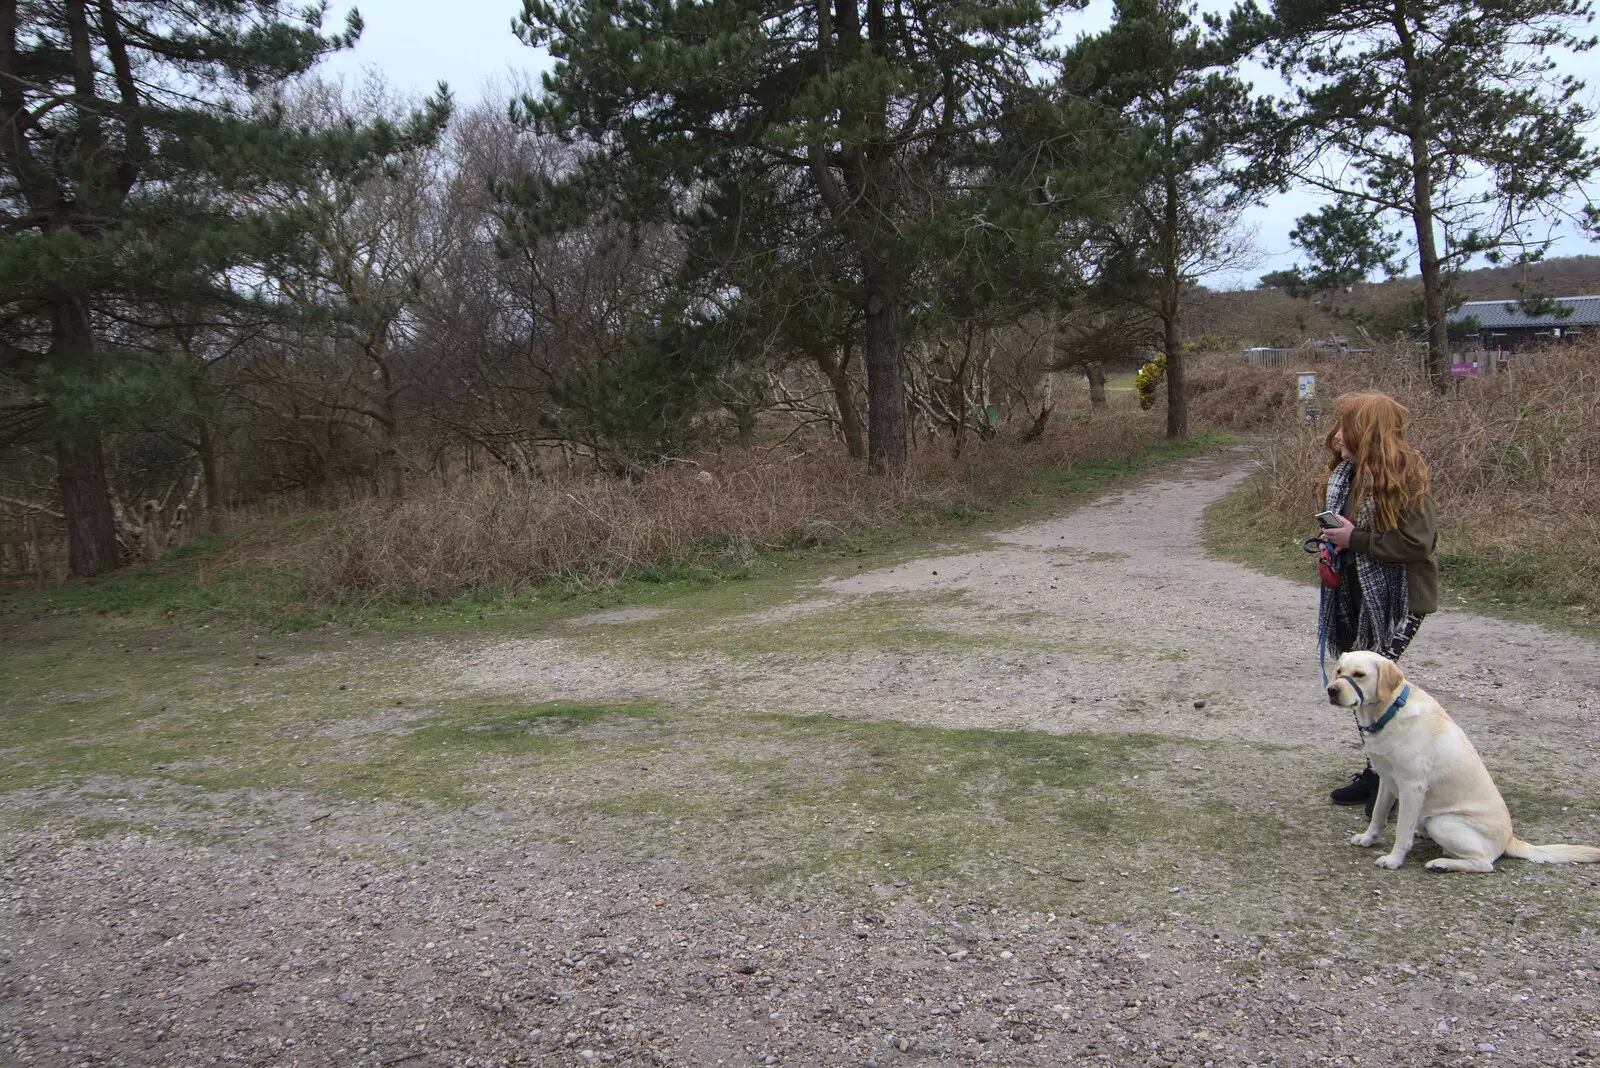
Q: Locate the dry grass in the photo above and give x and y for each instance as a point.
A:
(1514, 461)
(1225, 392)
(501, 531)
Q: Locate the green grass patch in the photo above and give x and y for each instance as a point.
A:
(778, 801)
(1022, 816)
(876, 623)
(1537, 803)
(455, 756)
(763, 618)
(726, 621)
(536, 730)
(1530, 585)
(306, 713)
(1101, 824)
(186, 581)
(1242, 526)
(91, 827)
(1109, 825)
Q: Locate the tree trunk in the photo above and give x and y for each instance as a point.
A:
(327, 461)
(862, 202)
(210, 480)
(1036, 431)
(1095, 371)
(985, 380)
(837, 371)
(958, 395)
(1171, 301)
(35, 556)
(1177, 396)
(391, 473)
(1422, 203)
(80, 460)
(86, 502)
(1433, 302)
(886, 388)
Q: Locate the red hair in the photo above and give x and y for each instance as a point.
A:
(1386, 465)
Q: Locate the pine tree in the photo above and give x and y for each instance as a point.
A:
(868, 107)
(130, 156)
(762, 259)
(1345, 244)
(1174, 81)
(1450, 114)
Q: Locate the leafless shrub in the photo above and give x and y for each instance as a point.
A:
(503, 530)
(1227, 393)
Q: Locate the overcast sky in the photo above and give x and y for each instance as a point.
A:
(468, 43)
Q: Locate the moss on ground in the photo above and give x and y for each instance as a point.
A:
(1107, 825)
(213, 728)
(732, 621)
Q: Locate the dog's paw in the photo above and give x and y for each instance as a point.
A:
(1363, 840)
(1390, 861)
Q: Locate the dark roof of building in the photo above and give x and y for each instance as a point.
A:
(1501, 314)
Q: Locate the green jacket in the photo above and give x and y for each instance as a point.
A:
(1412, 543)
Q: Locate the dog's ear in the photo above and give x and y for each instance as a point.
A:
(1389, 680)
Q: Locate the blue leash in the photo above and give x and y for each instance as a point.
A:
(1322, 636)
(1336, 562)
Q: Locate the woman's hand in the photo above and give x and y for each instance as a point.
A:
(1339, 536)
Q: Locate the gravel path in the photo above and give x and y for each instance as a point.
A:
(1159, 625)
(512, 930)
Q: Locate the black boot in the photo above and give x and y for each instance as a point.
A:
(1361, 790)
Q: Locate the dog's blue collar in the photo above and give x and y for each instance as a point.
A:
(1398, 703)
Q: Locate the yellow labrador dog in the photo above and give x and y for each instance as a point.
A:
(1426, 762)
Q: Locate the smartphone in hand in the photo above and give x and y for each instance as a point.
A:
(1329, 520)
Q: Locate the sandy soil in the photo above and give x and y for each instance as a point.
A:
(371, 933)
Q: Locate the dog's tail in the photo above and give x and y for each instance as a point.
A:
(1553, 854)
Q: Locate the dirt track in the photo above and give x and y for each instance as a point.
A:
(765, 867)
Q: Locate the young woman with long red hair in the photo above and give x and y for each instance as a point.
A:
(1388, 579)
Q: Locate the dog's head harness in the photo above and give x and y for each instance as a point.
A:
(1361, 698)
(1396, 705)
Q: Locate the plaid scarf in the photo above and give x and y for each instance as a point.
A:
(1380, 585)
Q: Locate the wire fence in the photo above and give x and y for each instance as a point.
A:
(1291, 359)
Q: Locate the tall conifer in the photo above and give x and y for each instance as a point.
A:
(1450, 114)
(874, 110)
(1187, 115)
(130, 153)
